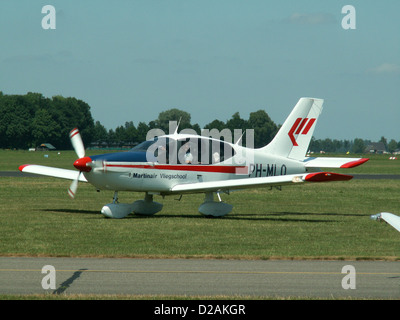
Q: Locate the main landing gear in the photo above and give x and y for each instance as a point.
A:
(121, 210)
(148, 207)
(214, 208)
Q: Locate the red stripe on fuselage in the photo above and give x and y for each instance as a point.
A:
(189, 167)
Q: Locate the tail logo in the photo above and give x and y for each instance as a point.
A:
(300, 126)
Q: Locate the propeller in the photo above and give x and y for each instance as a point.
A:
(77, 143)
(81, 163)
(74, 186)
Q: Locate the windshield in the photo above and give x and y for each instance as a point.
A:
(143, 146)
(194, 150)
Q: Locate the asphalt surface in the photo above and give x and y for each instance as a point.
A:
(198, 277)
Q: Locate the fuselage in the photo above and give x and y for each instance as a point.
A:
(144, 169)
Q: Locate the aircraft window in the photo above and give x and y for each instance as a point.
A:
(204, 151)
(219, 151)
(185, 151)
(143, 146)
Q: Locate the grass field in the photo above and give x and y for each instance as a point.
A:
(313, 221)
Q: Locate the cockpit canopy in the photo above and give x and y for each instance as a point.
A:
(185, 150)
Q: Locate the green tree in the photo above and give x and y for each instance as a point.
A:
(174, 114)
(99, 132)
(392, 146)
(236, 122)
(131, 132)
(120, 135)
(70, 113)
(216, 124)
(16, 121)
(358, 145)
(142, 130)
(44, 128)
(384, 141)
(26, 120)
(264, 128)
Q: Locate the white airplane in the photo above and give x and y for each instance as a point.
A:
(389, 218)
(178, 164)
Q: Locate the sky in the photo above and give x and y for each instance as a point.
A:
(131, 60)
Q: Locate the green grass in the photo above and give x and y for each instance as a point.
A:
(329, 221)
(378, 164)
(311, 221)
(10, 160)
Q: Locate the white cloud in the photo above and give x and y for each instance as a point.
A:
(310, 18)
(385, 68)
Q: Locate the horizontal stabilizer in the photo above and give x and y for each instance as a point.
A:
(326, 162)
(326, 177)
(52, 172)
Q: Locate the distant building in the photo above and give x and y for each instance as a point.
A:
(46, 147)
(375, 147)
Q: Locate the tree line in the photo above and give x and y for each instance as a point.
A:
(264, 128)
(29, 120)
(355, 146)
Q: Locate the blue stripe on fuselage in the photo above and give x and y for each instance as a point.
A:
(128, 156)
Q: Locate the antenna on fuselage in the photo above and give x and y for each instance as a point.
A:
(177, 126)
(239, 140)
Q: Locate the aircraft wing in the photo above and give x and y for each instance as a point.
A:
(326, 162)
(246, 183)
(52, 172)
(390, 218)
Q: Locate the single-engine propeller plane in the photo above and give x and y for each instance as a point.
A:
(177, 164)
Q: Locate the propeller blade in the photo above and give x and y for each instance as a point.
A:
(76, 141)
(74, 187)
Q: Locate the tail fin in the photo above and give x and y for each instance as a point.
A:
(293, 138)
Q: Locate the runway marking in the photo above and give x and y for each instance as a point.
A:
(206, 272)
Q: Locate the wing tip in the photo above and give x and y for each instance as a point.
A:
(355, 163)
(22, 167)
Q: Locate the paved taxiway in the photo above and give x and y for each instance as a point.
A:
(281, 278)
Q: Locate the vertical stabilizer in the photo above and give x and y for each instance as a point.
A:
(293, 138)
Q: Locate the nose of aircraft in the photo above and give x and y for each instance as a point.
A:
(82, 164)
